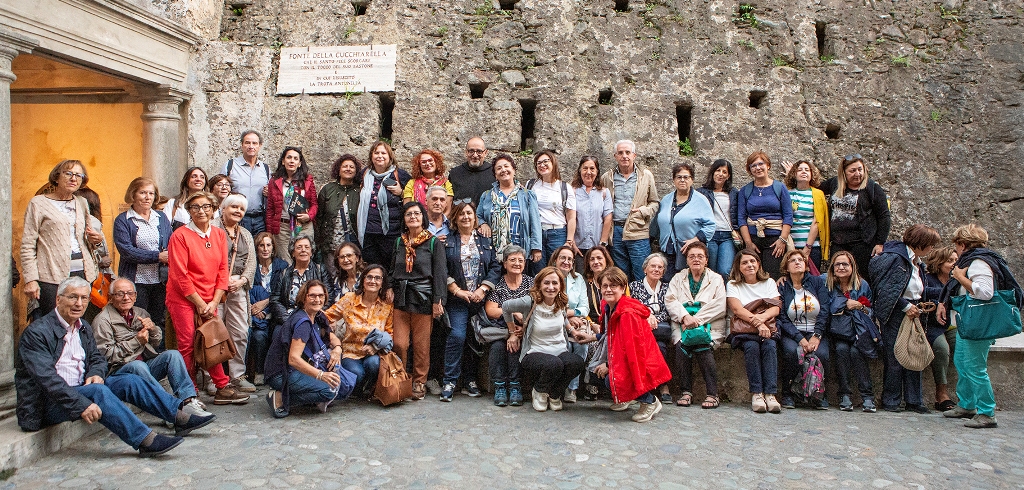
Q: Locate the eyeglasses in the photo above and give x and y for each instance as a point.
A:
(757, 164)
(74, 175)
(476, 151)
(223, 184)
(852, 157)
(375, 278)
(315, 296)
(74, 298)
(206, 208)
(837, 265)
(426, 160)
(349, 255)
(683, 177)
(413, 214)
(609, 287)
(125, 294)
(546, 160)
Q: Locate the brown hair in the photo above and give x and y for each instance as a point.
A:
(614, 276)
(921, 236)
(588, 273)
(784, 265)
(841, 177)
(300, 297)
(553, 261)
(554, 164)
(336, 166)
(577, 181)
(438, 163)
(933, 262)
(831, 282)
(259, 239)
(790, 179)
(758, 155)
(736, 276)
(67, 165)
(138, 183)
(970, 236)
(561, 299)
(360, 265)
(391, 153)
(697, 244)
(457, 209)
(179, 200)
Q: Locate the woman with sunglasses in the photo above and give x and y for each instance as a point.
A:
(291, 201)
(858, 211)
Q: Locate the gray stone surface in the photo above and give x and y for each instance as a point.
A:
(470, 443)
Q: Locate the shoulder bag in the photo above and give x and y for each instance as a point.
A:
(393, 382)
(991, 319)
(912, 349)
(756, 307)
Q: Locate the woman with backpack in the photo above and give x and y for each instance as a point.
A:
(979, 273)
(803, 322)
(765, 214)
(852, 329)
(555, 203)
(858, 212)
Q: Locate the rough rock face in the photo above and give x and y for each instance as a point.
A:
(930, 92)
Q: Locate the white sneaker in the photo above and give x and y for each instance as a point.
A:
(540, 401)
(196, 407)
(570, 396)
(757, 403)
(555, 404)
(622, 407)
(772, 404)
(434, 387)
(647, 411)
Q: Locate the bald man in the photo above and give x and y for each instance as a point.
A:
(473, 177)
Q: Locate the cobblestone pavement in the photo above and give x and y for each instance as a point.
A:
(470, 443)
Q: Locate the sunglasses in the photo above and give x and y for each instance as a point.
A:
(852, 157)
(464, 200)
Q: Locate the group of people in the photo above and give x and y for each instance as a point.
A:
(567, 288)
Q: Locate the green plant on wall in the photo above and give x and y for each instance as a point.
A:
(745, 16)
(901, 61)
(685, 147)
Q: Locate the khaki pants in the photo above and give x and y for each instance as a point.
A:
(236, 319)
(417, 326)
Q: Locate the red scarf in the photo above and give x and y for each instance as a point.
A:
(410, 247)
(420, 186)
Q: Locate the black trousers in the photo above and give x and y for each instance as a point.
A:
(551, 374)
(705, 359)
(379, 249)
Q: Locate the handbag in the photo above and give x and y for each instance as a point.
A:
(212, 344)
(393, 382)
(696, 336)
(912, 349)
(757, 307)
(99, 293)
(486, 330)
(991, 319)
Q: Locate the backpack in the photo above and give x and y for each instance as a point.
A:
(811, 381)
(231, 164)
(565, 188)
(748, 190)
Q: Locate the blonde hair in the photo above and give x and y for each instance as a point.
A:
(830, 280)
(841, 177)
(970, 236)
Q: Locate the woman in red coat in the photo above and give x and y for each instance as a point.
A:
(634, 367)
(291, 201)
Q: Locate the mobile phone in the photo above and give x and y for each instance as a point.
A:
(388, 182)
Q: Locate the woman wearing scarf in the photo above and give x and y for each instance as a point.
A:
(427, 171)
(419, 274)
(291, 201)
(379, 220)
(509, 214)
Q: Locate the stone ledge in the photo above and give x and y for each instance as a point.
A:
(19, 448)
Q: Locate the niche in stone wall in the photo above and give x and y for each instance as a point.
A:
(476, 90)
(387, 110)
(527, 123)
(758, 98)
(824, 45)
(684, 119)
(604, 96)
(832, 131)
(360, 6)
(622, 5)
(508, 4)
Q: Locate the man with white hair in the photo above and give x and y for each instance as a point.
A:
(60, 377)
(437, 222)
(635, 203)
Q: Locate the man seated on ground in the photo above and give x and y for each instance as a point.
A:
(59, 377)
(128, 338)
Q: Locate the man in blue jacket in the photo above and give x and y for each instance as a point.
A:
(60, 377)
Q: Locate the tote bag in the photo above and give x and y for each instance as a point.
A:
(987, 319)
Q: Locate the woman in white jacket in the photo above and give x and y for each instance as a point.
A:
(696, 304)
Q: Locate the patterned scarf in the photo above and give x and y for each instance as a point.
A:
(410, 247)
(419, 188)
(382, 200)
(501, 217)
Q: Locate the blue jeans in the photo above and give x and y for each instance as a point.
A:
(791, 359)
(721, 251)
(629, 255)
(645, 398)
(848, 355)
(458, 315)
(302, 389)
(550, 241)
(259, 344)
(898, 383)
(762, 362)
(168, 364)
(255, 224)
(504, 365)
(366, 370)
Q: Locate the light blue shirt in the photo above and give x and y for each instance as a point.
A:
(591, 209)
(248, 181)
(625, 190)
(576, 289)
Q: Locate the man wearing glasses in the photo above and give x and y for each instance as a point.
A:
(634, 205)
(473, 178)
(249, 177)
(128, 338)
(60, 377)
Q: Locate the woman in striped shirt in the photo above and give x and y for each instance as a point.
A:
(810, 211)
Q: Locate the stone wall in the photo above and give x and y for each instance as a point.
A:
(929, 92)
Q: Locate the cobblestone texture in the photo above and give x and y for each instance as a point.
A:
(472, 444)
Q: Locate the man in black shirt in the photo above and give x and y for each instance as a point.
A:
(472, 178)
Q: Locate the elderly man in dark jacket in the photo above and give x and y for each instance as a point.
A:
(60, 377)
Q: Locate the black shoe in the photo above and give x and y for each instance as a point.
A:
(194, 422)
(895, 409)
(161, 444)
(918, 409)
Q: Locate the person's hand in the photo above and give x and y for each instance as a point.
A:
(254, 310)
(535, 256)
(652, 322)
(164, 257)
(331, 378)
(575, 322)
(143, 335)
(395, 189)
(807, 252)
(335, 357)
(778, 248)
(512, 344)
(803, 345)
(265, 190)
(92, 413)
(763, 331)
(575, 249)
(438, 310)
(94, 379)
(940, 313)
(960, 274)
(786, 165)
(854, 305)
(877, 250)
(236, 284)
(753, 247)
(93, 237)
(479, 295)
(209, 311)
(31, 290)
(602, 370)
(302, 218)
(812, 345)
(260, 315)
(484, 230)
(389, 296)
(148, 323)
(583, 338)
(913, 312)
(368, 350)
(688, 322)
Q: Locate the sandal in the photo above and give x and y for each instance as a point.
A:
(685, 400)
(945, 405)
(710, 402)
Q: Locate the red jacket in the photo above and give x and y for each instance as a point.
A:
(635, 364)
(275, 202)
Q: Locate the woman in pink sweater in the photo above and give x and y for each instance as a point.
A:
(197, 280)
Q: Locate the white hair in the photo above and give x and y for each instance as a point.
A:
(655, 256)
(631, 144)
(120, 279)
(233, 199)
(435, 188)
(72, 282)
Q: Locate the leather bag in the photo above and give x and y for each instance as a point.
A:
(756, 307)
(212, 343)
(393, 382)
(99, 293)
(912, 349)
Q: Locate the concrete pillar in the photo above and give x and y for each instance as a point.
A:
(161, 144)
(11, 45)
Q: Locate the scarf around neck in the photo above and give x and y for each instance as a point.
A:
(382, 200)
(419, 188)
(410, 247)
(501, 216)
